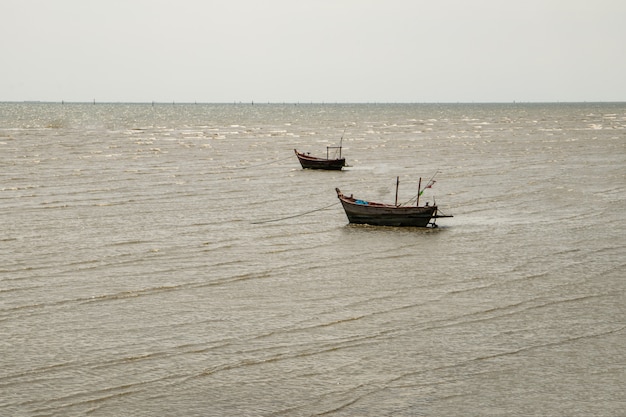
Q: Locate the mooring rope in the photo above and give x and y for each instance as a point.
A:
(296, 215)
(264, 163)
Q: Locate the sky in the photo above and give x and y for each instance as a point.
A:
(323, 51)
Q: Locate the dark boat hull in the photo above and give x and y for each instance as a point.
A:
(376, 214)
(312, 162)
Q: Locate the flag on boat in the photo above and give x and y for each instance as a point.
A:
(429, 185)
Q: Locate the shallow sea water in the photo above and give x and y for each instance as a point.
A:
(176, 260)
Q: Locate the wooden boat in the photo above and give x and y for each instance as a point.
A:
(380, 214)
(312, 162)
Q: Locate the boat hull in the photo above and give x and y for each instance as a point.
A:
(311, 162)
(376, 214)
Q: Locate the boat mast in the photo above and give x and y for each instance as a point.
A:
(328, 148)
(341, 141)
(397, 184)
(419, 191)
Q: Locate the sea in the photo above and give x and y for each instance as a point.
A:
(167, 259)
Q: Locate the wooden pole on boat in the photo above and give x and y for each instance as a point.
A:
(419, 191)
(397, 184)
(341, 141)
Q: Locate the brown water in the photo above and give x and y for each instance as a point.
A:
(175, 260)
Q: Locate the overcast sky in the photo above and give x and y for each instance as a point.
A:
(313, 50)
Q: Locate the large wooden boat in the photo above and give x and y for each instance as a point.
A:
(312, 162)
(380, 214)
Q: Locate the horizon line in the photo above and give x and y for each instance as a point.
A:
(252, 102)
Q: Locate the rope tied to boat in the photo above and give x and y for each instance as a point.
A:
(262, 163)
(296, 215)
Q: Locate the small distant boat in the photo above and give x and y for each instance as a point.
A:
(381, 214)
(312, 162)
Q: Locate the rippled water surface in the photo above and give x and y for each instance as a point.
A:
(175, 260)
